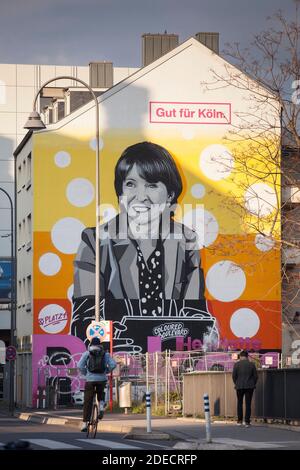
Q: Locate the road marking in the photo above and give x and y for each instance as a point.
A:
(49, 444)
(249, 444)
(151, 444)
(107, 444)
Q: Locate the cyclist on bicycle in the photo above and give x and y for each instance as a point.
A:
(94, 364)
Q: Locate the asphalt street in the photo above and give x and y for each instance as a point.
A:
(188, 431)
(43, 437)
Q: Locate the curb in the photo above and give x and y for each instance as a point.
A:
(136, 434)
(33, 418)
(202, 445)
(256, 422)
(131, 432)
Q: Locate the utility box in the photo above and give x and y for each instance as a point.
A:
(125, 400)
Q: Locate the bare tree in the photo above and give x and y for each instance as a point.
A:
(268, 75)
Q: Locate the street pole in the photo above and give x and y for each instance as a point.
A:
(12, 305)
(33, 124)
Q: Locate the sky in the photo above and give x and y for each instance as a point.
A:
(76, 32)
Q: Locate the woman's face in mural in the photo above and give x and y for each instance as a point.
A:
(144, 201)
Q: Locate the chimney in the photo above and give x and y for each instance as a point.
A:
(156, 45)
(101, 74)
(210, 40)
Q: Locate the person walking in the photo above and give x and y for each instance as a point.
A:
(244, 376)
(94, 365)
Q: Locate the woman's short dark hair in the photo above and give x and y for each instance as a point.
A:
(154, 163)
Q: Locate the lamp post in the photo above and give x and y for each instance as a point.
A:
(35, 123)
(12, 304)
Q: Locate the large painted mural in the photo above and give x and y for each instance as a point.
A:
(182, 263)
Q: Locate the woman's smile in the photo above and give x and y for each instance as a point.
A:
(143, 200)
(140, 208)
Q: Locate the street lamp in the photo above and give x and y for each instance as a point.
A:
(12, 303)
(35, 123)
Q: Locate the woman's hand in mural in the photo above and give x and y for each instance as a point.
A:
(126, 345)
(119, 327)
(194, 313)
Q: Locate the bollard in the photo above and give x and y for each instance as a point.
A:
(39, 398)
(44, 398)
(207, 417)
(148, 410)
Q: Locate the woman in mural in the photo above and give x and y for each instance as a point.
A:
(150, 265)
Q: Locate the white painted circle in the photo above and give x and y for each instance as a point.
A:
(244, 323)
(260, 199)
(52, 318)
(70, 292)
(226, 281)
(62, 159)
(106, 212)
(198, 191)
(93, 144)
(49, 264)
(204, 224)
(263, 243)
(80, 192)
(188, 133)
(66, 235)
(216, 162)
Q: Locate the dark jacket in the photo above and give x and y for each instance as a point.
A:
(182, 273)
(244, 374)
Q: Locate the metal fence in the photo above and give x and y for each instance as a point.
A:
(161, 373)
(276, 395)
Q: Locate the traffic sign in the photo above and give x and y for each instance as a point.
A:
(99, 329)
(11, 353)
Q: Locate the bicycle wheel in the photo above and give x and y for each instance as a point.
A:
(93, 423)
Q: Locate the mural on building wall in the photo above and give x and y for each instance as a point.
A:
(150, 264)
(205, 275)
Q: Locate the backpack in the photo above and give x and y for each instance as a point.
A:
(96, 361)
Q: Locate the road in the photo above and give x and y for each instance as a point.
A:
(45, 437)
(57, 437)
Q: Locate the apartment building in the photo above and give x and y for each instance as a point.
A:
(19, 84)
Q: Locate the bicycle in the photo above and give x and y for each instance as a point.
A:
(92, 425)
(97, 413)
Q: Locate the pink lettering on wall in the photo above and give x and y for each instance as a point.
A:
(165, 112)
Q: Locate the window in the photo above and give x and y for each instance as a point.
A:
(19, 293)
(28, 288)
(19, 185)
(28, 238)
(24, 232)
(19, 236)
(28, 294)
(23, 292)
(28, 173)
(23, 173)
